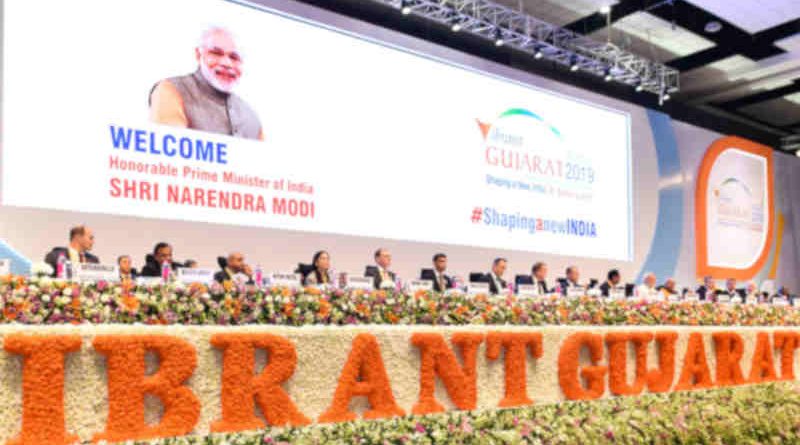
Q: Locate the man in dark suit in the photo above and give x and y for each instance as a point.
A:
(234, 265)
(126, 270)
(614, 278)
(539, 273)
(81, 241)
(162, 252)
(786, 294)
(441, 282)
(496, 282)
(730, 288)
(708, 290)
(573, 279)
(380, 273)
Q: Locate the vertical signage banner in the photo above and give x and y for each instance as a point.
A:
(734, 213)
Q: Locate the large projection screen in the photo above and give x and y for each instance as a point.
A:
(342, 135)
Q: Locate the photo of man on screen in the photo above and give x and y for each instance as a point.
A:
(205, 99)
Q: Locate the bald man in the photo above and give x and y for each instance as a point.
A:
(234, 266)
(669, 290)
(204, 100)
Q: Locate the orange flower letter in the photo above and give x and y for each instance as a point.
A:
(128, 384)
(515, 345)
(729, 347)
(568, 364)
(240, 387)
(763, 367)
(787, 342)
(363, 375)
(618, 361)
(660, 380)
(437, 359)
(695, 373)
(42, 387)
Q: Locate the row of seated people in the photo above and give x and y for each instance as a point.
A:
(319, 272)
(81, 242)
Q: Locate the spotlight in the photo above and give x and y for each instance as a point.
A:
(608, 77)
(713, 27)
(539, 54)
(498, 38)
(663, 97)
(405, 9)
(797, 153)
(574, 65)
(455, 21)
(605, 9)
(639, 87)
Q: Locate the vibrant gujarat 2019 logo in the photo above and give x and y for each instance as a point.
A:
(521, 140)
(737, 206)
(495, 129)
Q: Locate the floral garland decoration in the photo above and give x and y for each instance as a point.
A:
(46, 301)
(744, 415)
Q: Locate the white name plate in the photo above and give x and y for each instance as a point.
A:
(417, 285)
(576, 292)
(5, 266)
(780, 301)
(475, 288)
(148, 281)
(650, 295)
(388, 284)
(617, 293)
(188, 276)
(528, 290)
(96, 272)
(291, 280)
(594, 292)
(359, 282)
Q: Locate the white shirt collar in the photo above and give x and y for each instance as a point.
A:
(497, 280)
(73, 255)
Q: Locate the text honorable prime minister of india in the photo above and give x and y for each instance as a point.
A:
(204, 100)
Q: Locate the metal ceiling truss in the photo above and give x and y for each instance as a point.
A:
(508, 27)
